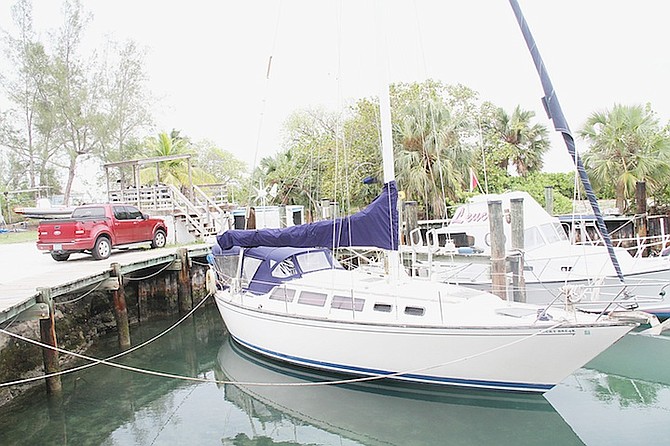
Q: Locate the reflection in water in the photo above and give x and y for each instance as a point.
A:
(109, 406)
(376, 414)
(608, 409)
(637, 356)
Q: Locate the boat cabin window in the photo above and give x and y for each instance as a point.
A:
(283, 294)
(345, 303)
(249, 267)
(552, 232)
(384, 308)
(313, 261)
(560, 231)
(284, 269)
(532, 238)
(312, 298)
(227, 265)
(415, 311)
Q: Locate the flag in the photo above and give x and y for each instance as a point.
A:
(474, 182)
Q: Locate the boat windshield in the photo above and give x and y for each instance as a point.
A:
(314, 261)
(553, 232)
(532, 238)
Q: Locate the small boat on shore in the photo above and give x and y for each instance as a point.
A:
(43, 209)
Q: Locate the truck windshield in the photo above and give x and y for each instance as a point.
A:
(89, 212)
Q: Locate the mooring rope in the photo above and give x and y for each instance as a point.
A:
(82, 296)
(152, 274)
(373, 377)
(96, 361)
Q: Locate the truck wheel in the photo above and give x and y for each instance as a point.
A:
(159, 240)
(102, 248)
(60, 256)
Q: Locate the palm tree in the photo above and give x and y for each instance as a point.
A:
(626, 145)
(516, 141)
(173, 172)
(431, 161)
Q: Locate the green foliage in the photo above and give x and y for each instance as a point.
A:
(535, 184)
(436, 138)
(512, 140)
(66, 106)
(626, 145)
(176, 171)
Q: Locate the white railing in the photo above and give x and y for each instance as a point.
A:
(202, 214)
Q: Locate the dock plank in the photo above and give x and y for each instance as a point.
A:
(24, 269)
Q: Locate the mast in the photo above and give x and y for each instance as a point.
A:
(386, 133)
(555, 113)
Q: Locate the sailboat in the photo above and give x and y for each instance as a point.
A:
(286, 297)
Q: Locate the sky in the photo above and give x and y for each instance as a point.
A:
(207, 61)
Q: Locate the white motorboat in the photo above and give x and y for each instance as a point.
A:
(460, 253)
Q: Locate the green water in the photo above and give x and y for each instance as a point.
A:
(109, 406)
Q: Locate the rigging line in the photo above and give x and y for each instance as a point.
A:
(97, 361)
(340, 133)
(264, 101)
(174, 412)
(421, 51)
(481, 146)
(373, 377)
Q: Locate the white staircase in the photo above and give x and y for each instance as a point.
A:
(202, 215)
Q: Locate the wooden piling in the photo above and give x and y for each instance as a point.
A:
(549, 199)
(185, 298)
(143, 293)
(497, 239)
(410, 218)
(641, 217)
(518, 280)
(48, 337)
(120, 310)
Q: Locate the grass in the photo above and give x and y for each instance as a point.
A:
(17, 237)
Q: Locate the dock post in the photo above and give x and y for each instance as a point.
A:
(518, 280)
(497, 239)
(143, 293)
(410, 219)
(120, 310)
(184, 296)
(549, 199)
(48, 336)
(641, 217)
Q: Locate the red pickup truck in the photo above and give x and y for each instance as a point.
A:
(98, 228)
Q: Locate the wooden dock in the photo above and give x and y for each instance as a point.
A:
(24, 270)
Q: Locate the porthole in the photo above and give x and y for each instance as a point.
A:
(415, 311)
(384, 308)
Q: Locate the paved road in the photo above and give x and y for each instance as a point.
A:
(23, 268)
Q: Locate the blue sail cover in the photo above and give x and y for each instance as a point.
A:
(376, 225)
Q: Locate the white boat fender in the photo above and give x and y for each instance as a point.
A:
(210, 280)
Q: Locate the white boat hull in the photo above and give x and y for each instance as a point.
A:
(528, 359)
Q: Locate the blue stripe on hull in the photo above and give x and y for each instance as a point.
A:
(497, 385)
